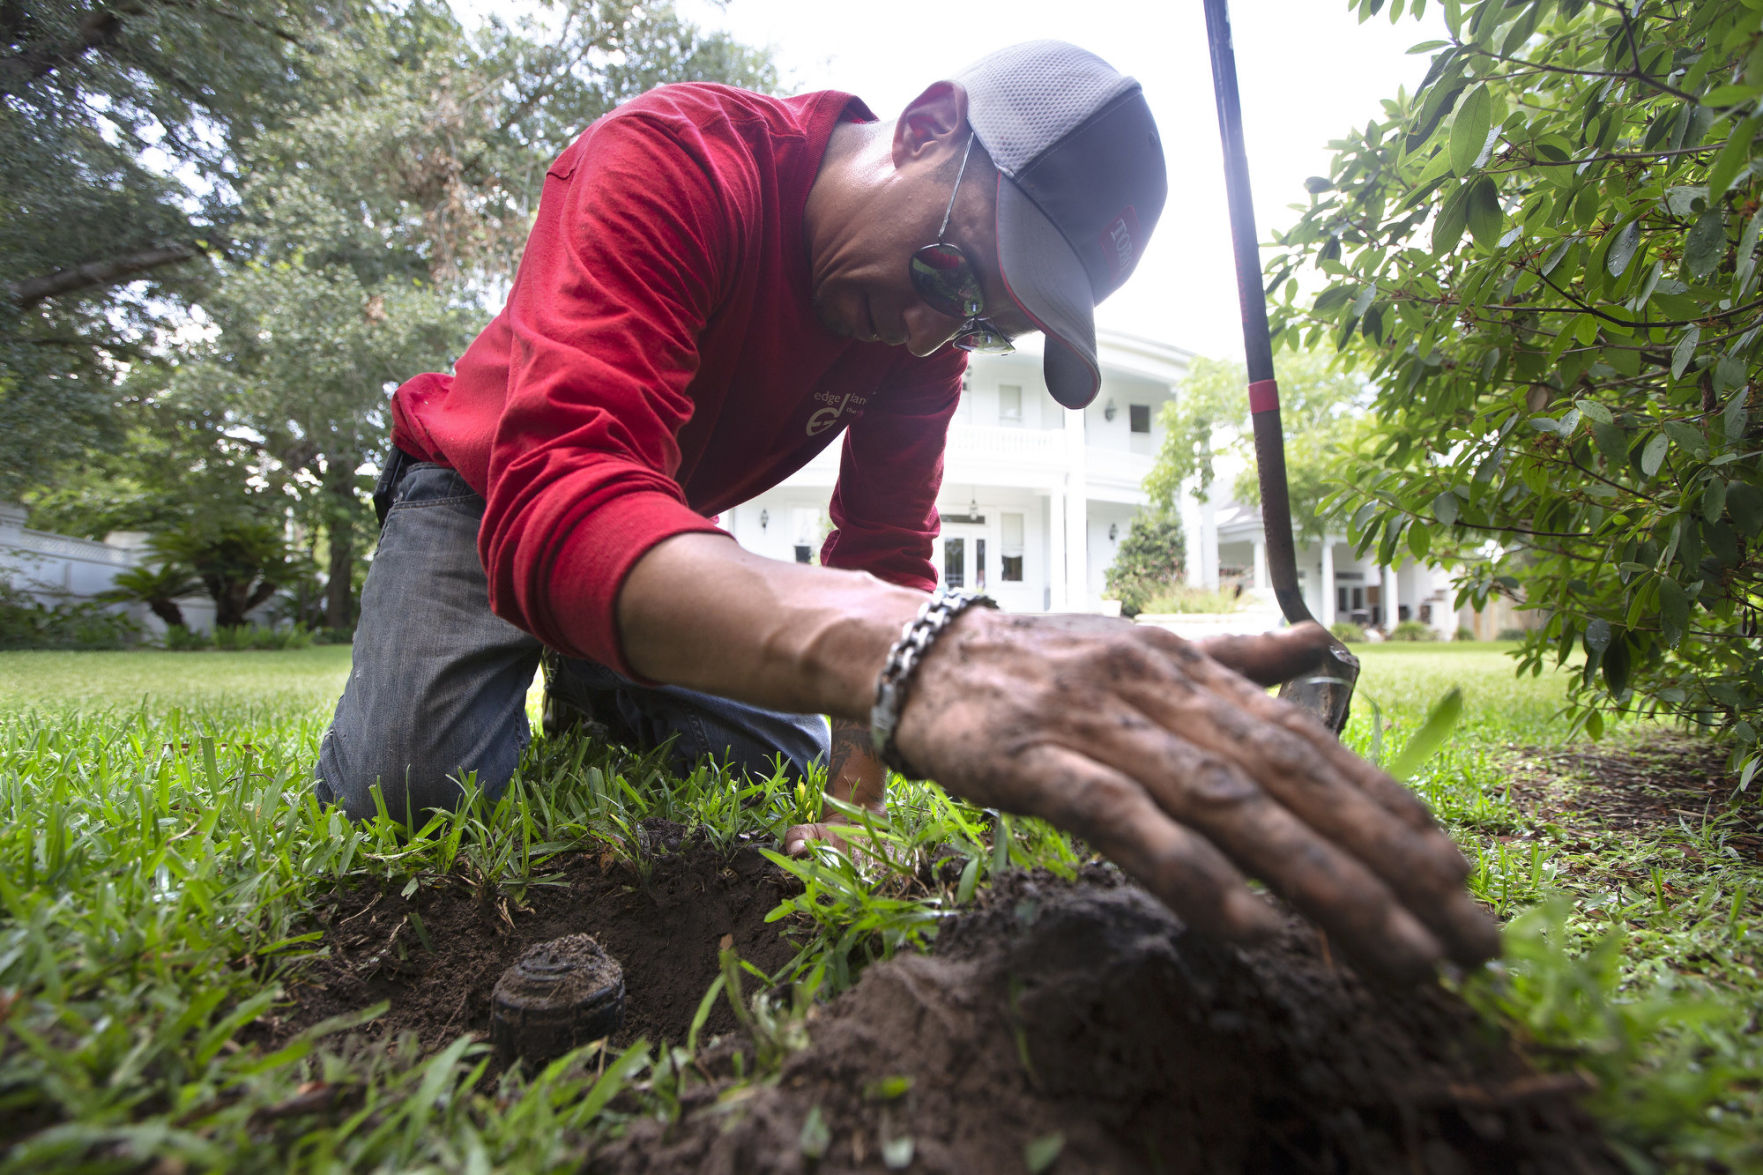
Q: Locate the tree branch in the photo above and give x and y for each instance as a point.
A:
(98, 28)
(29, 292)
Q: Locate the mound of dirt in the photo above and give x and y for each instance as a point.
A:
(1075, 1027)
(665, 929)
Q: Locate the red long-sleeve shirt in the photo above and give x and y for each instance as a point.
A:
(659, 361)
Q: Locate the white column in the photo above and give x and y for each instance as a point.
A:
(1208, 544)
(1077, 550)
(1077, 513)
(1056, 548)
(1326, 612)
(1391, 612)
(1262, 582)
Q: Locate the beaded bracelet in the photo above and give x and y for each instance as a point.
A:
(933, 617)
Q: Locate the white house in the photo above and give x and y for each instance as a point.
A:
(1034, 503)
(1336, 584)
(1035, 498)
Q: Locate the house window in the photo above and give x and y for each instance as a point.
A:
(1010, 547)
(1139, 417)
(954, 553)
(1009, 403)
(804, 553)
(979, 564)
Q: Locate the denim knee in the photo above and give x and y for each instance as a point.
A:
(411, 779)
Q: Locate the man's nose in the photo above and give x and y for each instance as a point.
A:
(927, 330)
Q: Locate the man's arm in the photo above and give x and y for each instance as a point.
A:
(1182, 771)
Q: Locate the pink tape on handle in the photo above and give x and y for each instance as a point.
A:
(1264, 396)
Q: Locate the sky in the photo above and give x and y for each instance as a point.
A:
(1308, 73)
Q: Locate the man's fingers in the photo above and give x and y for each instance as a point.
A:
(1270, 658)
(1120, 820)
(1347, 800)
(800, 836)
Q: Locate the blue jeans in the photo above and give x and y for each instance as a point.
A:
(438, 684)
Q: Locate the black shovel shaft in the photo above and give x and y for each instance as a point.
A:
(1270, 449)
(1328, 692)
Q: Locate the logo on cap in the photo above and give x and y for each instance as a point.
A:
(1120, 244)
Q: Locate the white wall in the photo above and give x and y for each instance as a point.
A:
(58, 569)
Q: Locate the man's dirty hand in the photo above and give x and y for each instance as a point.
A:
(1169, 757)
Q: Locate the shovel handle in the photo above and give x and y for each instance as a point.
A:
(1326, 694)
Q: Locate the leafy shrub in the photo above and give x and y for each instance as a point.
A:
(179, 639)
(1414, 630)
(1185, 599)
(27, 623)
(240, 638)
(1547, 252)
(1464, 633)
(1510, 634)
(1347, 632)
(1150, 560)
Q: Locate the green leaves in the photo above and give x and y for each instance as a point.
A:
(1622, 248)
(1734, 155)
(1440, 721)
(1482, 211)
(1564, 351)
(1469, 132)
(1704, 244)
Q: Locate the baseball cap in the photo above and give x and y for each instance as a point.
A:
(1081, 183)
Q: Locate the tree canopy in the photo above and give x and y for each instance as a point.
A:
(1545, 261)
(1209, 419)
(348, 218)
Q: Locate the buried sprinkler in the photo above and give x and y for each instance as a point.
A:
(559, 995)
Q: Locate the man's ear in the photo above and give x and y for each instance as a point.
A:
(932, 123)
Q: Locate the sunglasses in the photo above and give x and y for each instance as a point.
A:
(945, 279)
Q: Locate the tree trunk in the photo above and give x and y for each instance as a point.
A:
(168, 611)
(339, 489)
(229, 601)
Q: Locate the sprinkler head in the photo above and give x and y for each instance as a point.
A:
(558, 995)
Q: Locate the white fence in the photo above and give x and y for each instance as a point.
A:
(57, 569)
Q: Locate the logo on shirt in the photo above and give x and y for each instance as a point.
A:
(834, 411)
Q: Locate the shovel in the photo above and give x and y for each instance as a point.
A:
(1326, 692)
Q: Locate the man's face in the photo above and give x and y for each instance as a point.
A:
(862, 281)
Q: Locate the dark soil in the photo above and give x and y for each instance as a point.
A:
(1081, 1016)
(666, 931)
(1631, 785)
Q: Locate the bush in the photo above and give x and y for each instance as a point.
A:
(26, 623)
(238, 638)
(1194, 600)
(1414, 630)
(1149, 562)
(1464, 633)
(1347, 632)
(1510, 634)
(179, 639)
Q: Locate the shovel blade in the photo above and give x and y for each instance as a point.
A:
(1327, 692)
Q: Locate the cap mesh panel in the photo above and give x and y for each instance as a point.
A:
(1023, 99)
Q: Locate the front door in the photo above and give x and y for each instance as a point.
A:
(962, 559)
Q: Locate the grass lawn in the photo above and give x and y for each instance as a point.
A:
(161, 859)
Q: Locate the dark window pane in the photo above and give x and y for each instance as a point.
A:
(804, 553)
(1141, 417)
(1010, 568)
(954, 555)
(979, 564)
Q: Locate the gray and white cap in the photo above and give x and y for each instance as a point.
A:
(1081, 183)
